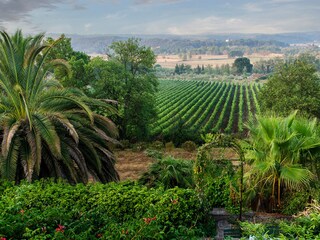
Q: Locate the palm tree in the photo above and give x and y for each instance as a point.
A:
(47, 130)
(278, 146)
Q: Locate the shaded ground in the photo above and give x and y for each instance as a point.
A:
(131, 165)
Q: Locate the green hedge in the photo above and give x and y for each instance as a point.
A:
(49, 210)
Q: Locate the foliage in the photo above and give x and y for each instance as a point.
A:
(48, 210)
(169, 172)
(154, 153)
(106, 79)
(157, 145)
(279, 146)
(47, 130)
(169, 146)
(139, 146)
(293, 86)
(76, 60)
(257, 230)
(242, 63)
(217, 182)
(297, 201)
(140, 86)
(189, 146)
(305, 226)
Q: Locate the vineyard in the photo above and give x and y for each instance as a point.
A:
(201, 107)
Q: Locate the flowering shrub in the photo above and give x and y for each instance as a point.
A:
(49, 210)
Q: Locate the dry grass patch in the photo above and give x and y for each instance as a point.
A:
(170, 61)
(131, 165)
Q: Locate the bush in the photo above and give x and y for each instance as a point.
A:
(169, 146)
(189, 146)
(124, 144)
(157, 145)
(295, 202)
(154, 153)
(49, 210)
(169, 173)
(305, 226)
(139, 147)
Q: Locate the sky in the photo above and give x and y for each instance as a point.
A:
(181, 17)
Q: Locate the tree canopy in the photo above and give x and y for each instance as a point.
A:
(241, 64)
(139, 86)
(293, 86)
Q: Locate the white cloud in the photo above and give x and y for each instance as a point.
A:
(252, 7)
(87, 27)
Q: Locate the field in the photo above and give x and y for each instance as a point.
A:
(202, 107)
(170, 61)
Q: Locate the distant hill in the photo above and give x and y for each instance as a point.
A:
(175, 44)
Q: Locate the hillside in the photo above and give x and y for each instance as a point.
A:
(174, 44)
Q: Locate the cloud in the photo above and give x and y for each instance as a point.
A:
(12, 10)
(251, 7)
(87, 27)
(156, 1)
(115, 16)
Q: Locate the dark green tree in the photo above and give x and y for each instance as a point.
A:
(140, 85)
(242, 63)
(293, 86)
(106, 79)
(177, 69)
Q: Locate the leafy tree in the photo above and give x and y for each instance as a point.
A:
(177, 69)
(76, 60)
(293, 86)
(140, 86)
(278, 148)
(243, 63)
(106, 79)
(47, 130)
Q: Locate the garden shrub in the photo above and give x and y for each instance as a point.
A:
(57, 210)
(189, 146)
(306, 225)
(295, 202)
(139, 147)
(169, 172)
(156, 145)
(156, 154)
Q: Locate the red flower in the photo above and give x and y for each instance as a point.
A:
(99, 235)
(60, 228)
(3, 238)
(174, 201)
(149, 220)
(125, 232)
(22, 212)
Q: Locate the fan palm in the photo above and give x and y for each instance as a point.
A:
(47, 130)
(278, 145)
